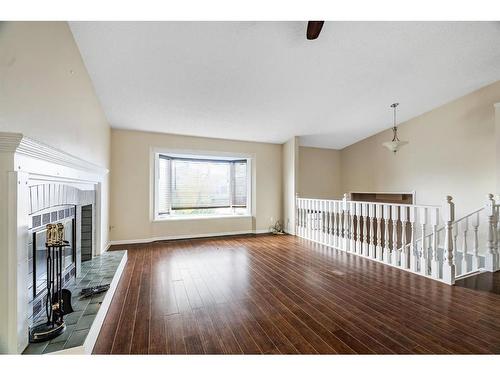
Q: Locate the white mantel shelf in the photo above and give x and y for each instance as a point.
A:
(18, 143)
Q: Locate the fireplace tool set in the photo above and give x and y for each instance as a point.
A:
(58, 300)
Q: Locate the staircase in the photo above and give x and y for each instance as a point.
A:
(409, 237)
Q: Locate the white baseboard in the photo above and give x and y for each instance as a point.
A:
(186, 236)
(106, 248)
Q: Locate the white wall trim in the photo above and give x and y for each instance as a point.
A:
(186, 236)
(22, 145)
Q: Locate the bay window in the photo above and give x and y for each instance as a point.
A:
(194, 185)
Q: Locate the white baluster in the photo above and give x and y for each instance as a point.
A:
(455, 239)
(352, 215)
(475, 244)
(413, 249)
(491, 261)
(358, 228)
(405, 259)
(387, 214)
(448, 264)
(297, 215)
(352, 212)
(328, 222)
(379, 214)
(339, 226)
(329, 215)
(329, 236)
(318, 221)
(364, 212)
(345, 234)
(395, 252)
(465, 230)
(309, 220)
(313, 221)
(424, 256)
(304, 218)
(434, 221)
(321, 215)
(335, 224)
(302, 227)
(371, 246)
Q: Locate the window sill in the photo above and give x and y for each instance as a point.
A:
(198, 217)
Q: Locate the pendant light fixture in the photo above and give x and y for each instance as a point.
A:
(395, 144)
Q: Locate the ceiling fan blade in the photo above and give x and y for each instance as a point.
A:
(313, 29)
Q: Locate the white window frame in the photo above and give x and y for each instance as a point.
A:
(197, 154)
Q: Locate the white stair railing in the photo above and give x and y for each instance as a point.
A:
(406, 236)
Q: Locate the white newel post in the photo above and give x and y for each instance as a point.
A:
(448, 218)
(491, 261)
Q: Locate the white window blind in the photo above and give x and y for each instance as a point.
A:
(198, 184)
(164, 185)
(240, 184)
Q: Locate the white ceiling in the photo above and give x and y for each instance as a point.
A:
(263, 81)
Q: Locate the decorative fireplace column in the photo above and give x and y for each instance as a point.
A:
(25, 163)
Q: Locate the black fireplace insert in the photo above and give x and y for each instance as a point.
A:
(66, 216)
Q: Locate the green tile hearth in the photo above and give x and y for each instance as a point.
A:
(99, 270)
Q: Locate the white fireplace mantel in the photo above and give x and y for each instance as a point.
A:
(25, 162)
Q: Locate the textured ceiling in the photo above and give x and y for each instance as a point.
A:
(263, 81)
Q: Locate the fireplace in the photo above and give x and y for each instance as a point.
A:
(41, 185)
(38, 254)
(54, 203)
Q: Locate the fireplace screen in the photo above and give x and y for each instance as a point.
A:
(40, 255)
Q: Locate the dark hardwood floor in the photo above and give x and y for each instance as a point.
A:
(283, 294)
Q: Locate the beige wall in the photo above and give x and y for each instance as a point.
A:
(46, 94)
(319, 173)
(131, 192)
(451, 151)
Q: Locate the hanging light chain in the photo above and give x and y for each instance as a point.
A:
(395, 128)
